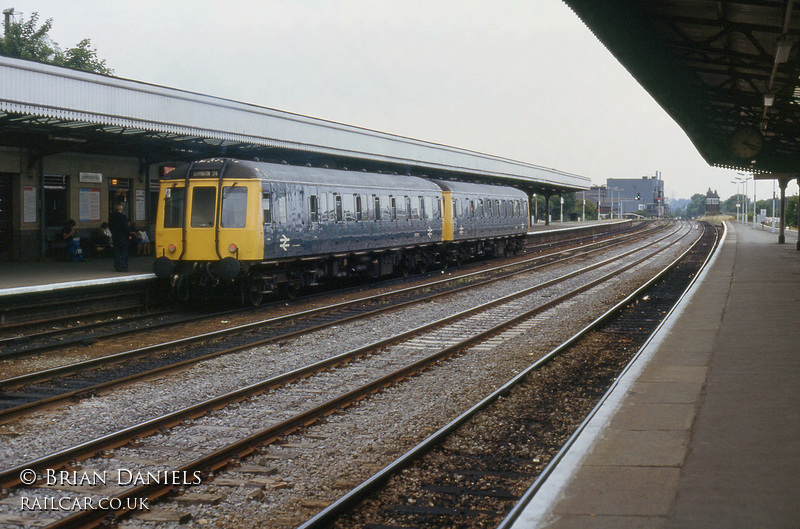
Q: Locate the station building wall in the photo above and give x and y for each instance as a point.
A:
(37, 199)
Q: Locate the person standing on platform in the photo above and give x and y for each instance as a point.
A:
(120, 235)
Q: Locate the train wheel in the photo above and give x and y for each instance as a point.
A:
(251, 291)
(290, 290)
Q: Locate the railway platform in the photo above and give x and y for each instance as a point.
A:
(704, 429)
(43, 276)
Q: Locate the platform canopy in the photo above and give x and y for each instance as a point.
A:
(726, 71)
(47, 110)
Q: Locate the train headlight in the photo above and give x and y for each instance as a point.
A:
(233, 248)
(171, 248)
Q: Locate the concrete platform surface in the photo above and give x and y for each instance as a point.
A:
(704, 431)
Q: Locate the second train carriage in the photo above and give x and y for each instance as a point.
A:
(229, 226)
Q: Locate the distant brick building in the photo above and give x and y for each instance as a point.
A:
(712, 202)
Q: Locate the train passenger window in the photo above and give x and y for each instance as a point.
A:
(377, 201)
(234, 207)
(266, 205)
(472, 209)
(339, 212)
(455, 208)
(359, 212)
(203, 207)
(313, 208)
(323, 207)
(174, 207)
(348, 205)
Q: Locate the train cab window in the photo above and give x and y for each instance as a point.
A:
(339, 212)
(377, 202)
(203, 207)
(266, 205)
(174, 207)
(234, 207)
(313, 208)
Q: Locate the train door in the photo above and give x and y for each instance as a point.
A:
(269, 226)
(314, 215)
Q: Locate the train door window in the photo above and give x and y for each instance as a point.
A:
(377, 204)
(490, 212)
(266, 205)
(339, 212)
(234, 207)
(359, 212)
(497, 208)
(369, 213)
(408, 208)
(313, 208)
(203, 206)
(393, 208)
(423, 214)
(456, 211)
(174, 207)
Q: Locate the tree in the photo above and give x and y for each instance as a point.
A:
(83, 57)
(25, 40)
(697, 206)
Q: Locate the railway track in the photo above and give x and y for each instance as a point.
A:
(40, 325)
(22, 394)
(218, 459)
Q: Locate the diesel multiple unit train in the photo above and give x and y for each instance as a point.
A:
(229, 227)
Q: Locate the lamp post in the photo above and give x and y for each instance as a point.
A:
(737, 198)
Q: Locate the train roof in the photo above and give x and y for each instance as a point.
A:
(306, 175)
(478, 189)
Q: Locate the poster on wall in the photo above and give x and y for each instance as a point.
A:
(140, 204)
(29, 204)
(90, 204)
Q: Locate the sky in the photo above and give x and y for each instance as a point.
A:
(522, 79)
